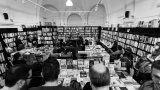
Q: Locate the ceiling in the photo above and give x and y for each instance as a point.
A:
(80, 6)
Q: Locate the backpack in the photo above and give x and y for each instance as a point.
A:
(143, 65)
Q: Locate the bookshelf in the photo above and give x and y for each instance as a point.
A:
(141, 40)
(7, 38)
(23, 36)
(93, 32)
(75, 31)
(34, 32)
(49, 34)
(60, 32)
(9, 35)
(31, 31)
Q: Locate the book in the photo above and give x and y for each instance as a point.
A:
(75, 64)
(86, 63)
(80, 64)
(66, 81)
(63, 73)
(63, 64)
(69, 63)
(83, 74)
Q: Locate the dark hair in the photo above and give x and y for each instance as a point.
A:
(156, 65)
(99, 79)
(128, 53)
(119, 47)
(128, 49)
(16, 56)
(115, 43)
(15, 73)
(50, 69)
(75, 85)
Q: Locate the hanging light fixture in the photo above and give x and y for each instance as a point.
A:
(69, 3)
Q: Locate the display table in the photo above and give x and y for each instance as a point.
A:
(35, 54)
(78, 69)
(119, 79)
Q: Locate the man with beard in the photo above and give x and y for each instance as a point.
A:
(155, 74)
(18, 77)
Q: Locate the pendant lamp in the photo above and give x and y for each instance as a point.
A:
(69, 3)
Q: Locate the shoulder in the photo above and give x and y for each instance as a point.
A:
(147, 86)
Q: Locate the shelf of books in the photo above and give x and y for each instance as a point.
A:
(75, 31)
(7, 38)
(93, 32)
(81, 31)
(31, 31)
(55, 33)
(39, 34)
(8, 35)
(3, 64)
(60, 32)
(23, 36)
(141, 40)
(47, 36)
(84, 31)
(49, 33)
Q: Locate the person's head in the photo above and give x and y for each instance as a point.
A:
(119, 47)
(115, 43)
(128, 49)
(156, 46)
(17, 56)
(75, 85)
(80, 37)
(155, 73)
(18, 77)
(156, 49)
(99, 76)
(29, 36)
(50, 69)
(128, 53)
(35, 43)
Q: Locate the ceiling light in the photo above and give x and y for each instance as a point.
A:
(69, 3)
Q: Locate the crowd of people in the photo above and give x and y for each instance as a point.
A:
(20, 77)
(23, 77)
(44, 75)
(145, 70)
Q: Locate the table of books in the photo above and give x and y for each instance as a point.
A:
(78, 70)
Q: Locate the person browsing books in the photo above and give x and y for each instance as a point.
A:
(50, 73)
(153, 84)
(99, 78)
(18, 77)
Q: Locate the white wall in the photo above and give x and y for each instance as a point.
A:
(141, 9)
(21, 13)
(74, 20)
(97, 18)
